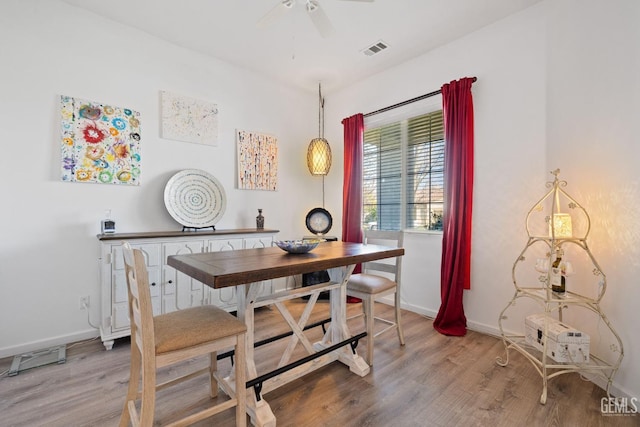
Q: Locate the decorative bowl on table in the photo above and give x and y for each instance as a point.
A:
(297, 246)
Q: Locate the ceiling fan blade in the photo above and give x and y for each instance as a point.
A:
(319, 18)
(274, 14)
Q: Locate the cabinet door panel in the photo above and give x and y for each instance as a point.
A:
(120, 318)
(224, 245)
(257, 242)
(224, 298)
(120, 314)
(155, 288)
(179, 290)
(260, 242)
(119, 292)
(151, 252)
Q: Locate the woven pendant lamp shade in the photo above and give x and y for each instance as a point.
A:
(319, 156)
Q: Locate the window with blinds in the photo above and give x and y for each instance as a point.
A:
(403, 174)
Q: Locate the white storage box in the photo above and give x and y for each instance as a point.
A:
(564, 344)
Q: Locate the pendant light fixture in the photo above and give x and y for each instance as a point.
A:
(319, 151)
(319, 220)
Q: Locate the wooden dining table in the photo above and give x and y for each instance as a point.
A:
(246, 269)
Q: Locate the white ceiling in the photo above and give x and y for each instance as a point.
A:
(291, 49)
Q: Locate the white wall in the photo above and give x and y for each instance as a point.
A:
(557, 87)
(593, 92)
(48, 250)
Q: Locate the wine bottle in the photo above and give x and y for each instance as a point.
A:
(558, 284)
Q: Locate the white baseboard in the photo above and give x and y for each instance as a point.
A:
(47, 343)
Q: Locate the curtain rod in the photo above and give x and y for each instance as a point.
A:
(409, 101)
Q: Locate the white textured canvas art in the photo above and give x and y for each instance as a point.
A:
(188, 119)
(257, 161)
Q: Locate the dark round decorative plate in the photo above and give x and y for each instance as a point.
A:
(319, 221)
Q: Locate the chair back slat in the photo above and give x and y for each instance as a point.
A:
(392, 235)
(382, 267)
(136, 320)
(391, 266)
(140, 308)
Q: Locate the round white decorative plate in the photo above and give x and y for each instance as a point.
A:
(195, 198)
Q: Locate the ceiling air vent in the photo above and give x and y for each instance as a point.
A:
(375, 48)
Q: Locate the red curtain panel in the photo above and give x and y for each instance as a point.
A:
(458, 202)
(352, 183)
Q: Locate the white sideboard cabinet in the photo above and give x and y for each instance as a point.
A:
(170, 289)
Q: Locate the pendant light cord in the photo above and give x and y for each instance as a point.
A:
(320, 112)
(321, 126)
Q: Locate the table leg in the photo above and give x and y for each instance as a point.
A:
(338, 330)
(257, 408)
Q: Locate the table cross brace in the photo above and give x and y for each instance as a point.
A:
(297, 328)
(256, 383)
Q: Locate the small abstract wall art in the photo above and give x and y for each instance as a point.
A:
(257, 161)
(187, 119)
(100, 143)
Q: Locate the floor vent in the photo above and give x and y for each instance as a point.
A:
(38, 358)
(375, 48)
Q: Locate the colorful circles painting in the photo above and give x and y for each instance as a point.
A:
(100, 143)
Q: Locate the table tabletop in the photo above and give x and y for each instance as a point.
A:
(233, 268)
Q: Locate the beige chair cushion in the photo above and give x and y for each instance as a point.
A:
(369, 283)
(193, 326)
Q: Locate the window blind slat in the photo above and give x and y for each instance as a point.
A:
(423, 173)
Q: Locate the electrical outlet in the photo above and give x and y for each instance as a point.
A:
(84, 302)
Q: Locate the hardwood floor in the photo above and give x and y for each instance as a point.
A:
(434, 380)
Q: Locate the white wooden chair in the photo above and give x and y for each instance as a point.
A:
(173, 337)
(378, 278)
